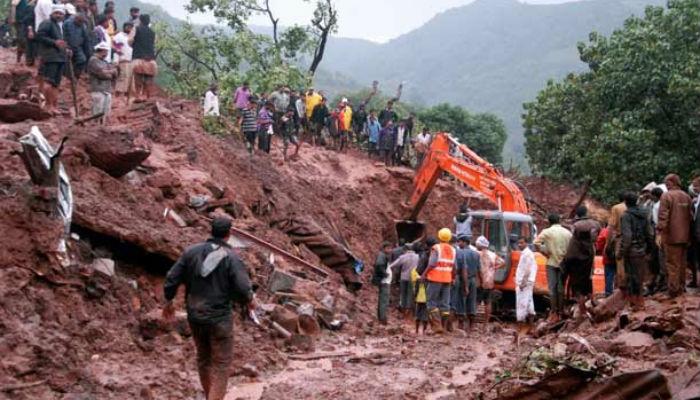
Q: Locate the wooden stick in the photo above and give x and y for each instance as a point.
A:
(318, 356)
(19, 386)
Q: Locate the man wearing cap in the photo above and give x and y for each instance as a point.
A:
(489, 262)
(673, 231)
(214, 278)
(440, 275)
(101, 73)
(53, 52)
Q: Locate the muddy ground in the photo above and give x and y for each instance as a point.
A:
(69, 331)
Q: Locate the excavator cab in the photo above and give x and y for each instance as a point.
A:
(503, 229)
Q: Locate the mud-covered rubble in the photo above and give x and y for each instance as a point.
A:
(566, 358)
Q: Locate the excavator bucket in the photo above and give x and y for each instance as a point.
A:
(410, 231)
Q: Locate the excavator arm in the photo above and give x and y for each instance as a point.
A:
(472, 170)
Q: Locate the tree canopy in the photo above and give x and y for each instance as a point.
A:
(634, 115)
(195, 56)
(484, 133)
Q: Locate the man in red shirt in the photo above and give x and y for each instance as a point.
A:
(610, 264)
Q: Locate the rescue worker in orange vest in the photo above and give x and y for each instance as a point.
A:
(439, 275)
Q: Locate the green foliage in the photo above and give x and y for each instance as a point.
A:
(484, 133)
(633, 116)
(488, 55)
(215, 126)
(194, 58)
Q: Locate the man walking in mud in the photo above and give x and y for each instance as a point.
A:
(214, 277)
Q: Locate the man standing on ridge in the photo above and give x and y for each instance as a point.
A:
(673, 232)
(637, 243)
(440, 274)
(214, 277)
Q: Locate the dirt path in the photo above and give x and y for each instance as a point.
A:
(400, 365)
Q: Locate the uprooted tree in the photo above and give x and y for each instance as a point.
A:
(633, 116)
(195, 56)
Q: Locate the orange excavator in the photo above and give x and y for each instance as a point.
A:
(502, 227)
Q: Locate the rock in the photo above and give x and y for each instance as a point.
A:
(328, 301)
(559, 350)
(301, 342)
(12, 111)
(285, 318)
(249, 370)
(308, 325)
(306, 309)
(281, 282)
(117, 150)
(198, 201)
(634, 340)
(104, 266)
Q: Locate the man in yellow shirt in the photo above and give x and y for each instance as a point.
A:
(313, 98)
(553, 242)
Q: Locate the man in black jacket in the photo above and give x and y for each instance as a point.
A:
(52, 51)
(78, 40)
(636, 244)
(144, 57)
(214, 277)
(382, 279)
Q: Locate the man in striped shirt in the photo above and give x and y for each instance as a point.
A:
(249, 123)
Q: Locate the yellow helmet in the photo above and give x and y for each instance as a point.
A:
(445, 235)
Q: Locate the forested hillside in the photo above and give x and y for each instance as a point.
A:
(491, 55)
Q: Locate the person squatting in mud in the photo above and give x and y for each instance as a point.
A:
(214, 278)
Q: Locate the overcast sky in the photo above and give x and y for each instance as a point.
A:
(376, 20)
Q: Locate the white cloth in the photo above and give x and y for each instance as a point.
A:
(108, 41)
(301, 107)
(42, 12)
(211, 104)
(400, 135)
(423, 138)
(482, 241)
(389, 276)
(524, 284)
(655, 213)
(121, 39)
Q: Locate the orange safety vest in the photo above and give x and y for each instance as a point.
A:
(442, 272)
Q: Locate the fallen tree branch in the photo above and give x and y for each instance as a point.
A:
(20, 386)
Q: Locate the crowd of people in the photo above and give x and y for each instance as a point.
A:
(647, 244)
(306, 115)
(73, 38)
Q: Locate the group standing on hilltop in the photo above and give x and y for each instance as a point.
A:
(73, 39)
(298, 116)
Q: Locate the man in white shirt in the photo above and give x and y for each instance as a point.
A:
(211, 101)
(42, 12)
(524, 285)
(123, 59)
(422, 145)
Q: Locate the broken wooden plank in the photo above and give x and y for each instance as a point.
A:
(318, 356)
(278, 251)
